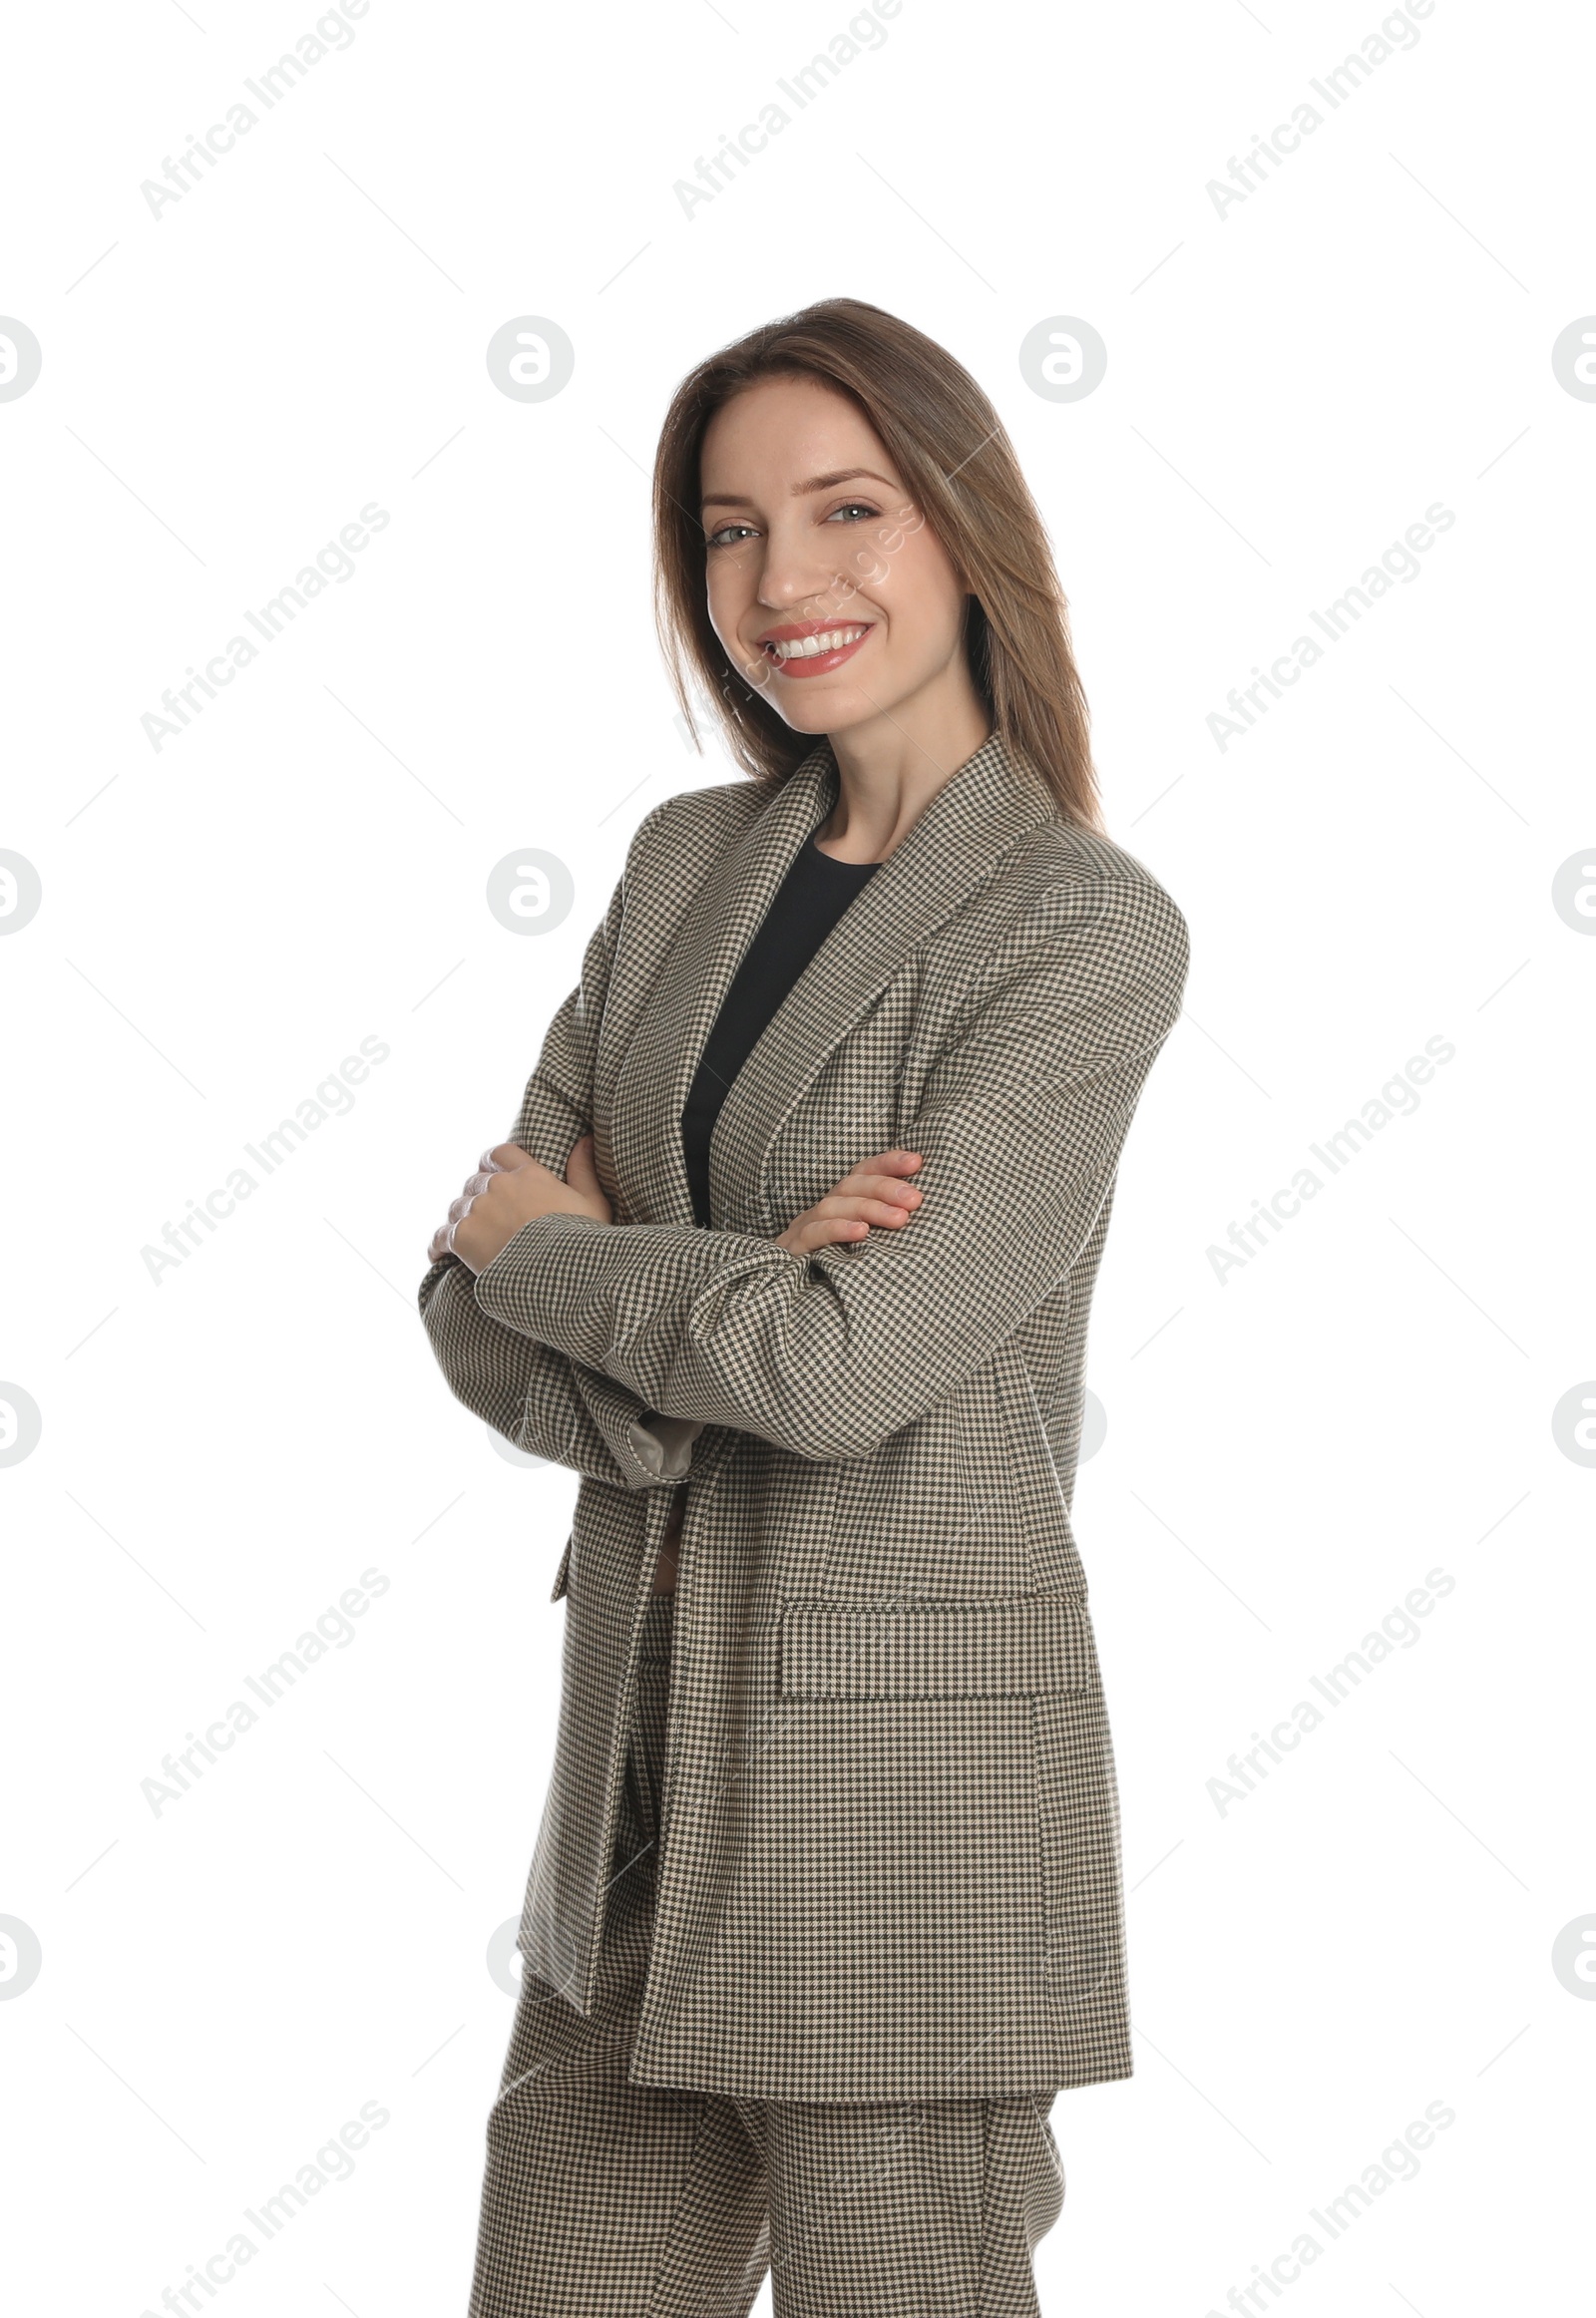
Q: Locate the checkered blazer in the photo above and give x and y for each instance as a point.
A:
(891, 1859)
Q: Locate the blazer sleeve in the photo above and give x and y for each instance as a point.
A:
(538, 1396)
(1022, 1120)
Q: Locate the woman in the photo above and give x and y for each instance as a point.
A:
(790, 1255)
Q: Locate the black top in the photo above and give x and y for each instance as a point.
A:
(811, 898)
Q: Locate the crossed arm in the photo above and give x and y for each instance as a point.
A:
(828, 1352)
(538, 1396)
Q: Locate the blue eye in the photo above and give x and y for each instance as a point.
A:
(720, 540)
(853, 506)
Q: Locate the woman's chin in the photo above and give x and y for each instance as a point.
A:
(821, 706)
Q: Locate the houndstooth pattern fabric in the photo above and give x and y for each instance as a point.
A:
(895, 1866)
(602, 2194)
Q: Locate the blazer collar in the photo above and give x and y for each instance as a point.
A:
(974, 818)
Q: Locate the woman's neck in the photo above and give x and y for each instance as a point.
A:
(890, 767)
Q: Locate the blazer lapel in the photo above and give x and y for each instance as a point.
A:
(663, 1054)
(973, 819)
(982, 809)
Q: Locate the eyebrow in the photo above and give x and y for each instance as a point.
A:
(815, 483)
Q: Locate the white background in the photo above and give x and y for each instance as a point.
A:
(1370, 1398)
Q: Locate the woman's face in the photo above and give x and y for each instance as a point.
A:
(813, 541)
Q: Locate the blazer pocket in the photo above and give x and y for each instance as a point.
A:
(1011, 1646)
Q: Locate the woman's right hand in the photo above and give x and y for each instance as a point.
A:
(874, 1192)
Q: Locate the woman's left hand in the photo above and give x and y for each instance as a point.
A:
(510, 1189)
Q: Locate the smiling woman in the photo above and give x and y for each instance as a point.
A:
(791, 1253)
(873, 402)
(802, 510)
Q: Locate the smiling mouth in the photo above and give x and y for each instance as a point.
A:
(816, 650)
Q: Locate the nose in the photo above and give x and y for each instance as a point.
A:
(799, 576)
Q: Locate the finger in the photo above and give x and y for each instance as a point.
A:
(505, 1156)
(888, 1187)
(840, 1205)
(892, 1164)
(812, 1231)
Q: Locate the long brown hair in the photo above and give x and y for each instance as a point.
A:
(948, 445)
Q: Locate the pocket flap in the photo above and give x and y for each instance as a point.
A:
(1015, 1643)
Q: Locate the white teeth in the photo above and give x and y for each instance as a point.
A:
(809, 647)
